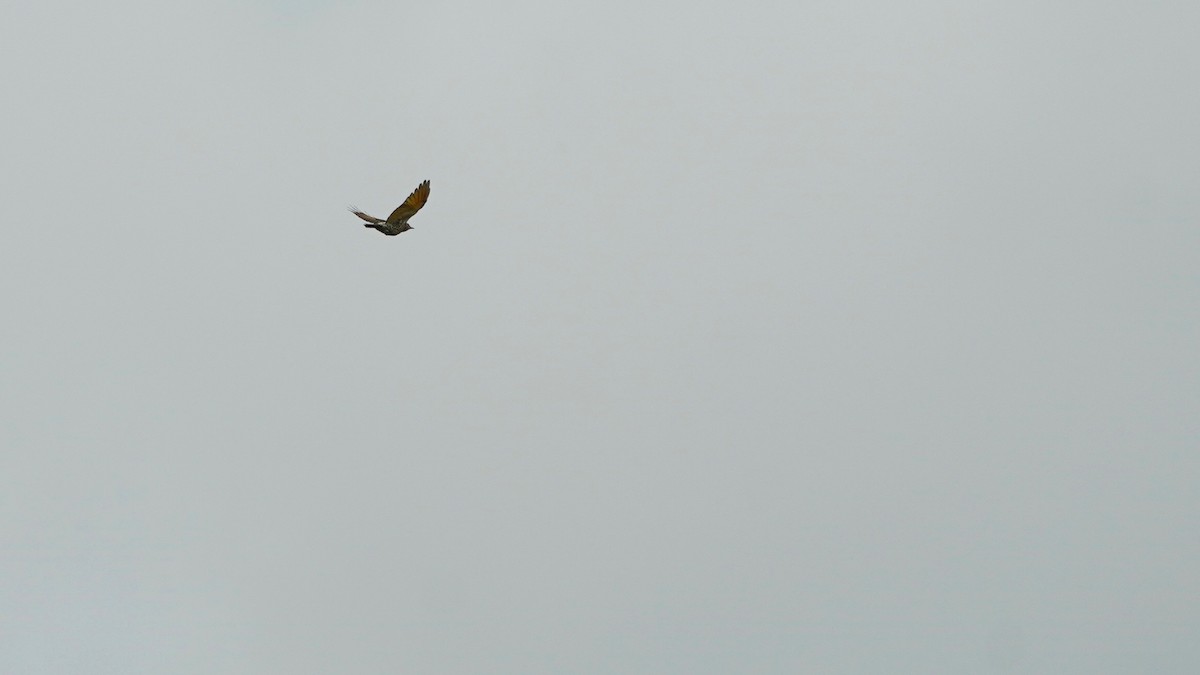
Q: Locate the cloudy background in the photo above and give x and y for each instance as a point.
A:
(780, 337)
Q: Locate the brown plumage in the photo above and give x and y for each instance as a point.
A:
(398, 221)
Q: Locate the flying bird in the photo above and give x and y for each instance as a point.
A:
(398, 221)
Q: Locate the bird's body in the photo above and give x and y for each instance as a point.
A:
(398, 221)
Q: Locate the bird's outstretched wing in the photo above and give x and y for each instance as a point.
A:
(410, 206)
(370, 219)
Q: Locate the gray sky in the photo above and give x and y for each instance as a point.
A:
(781, 337)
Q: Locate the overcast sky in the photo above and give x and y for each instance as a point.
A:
(776, 337)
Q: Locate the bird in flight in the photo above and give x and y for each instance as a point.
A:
(398, 221)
